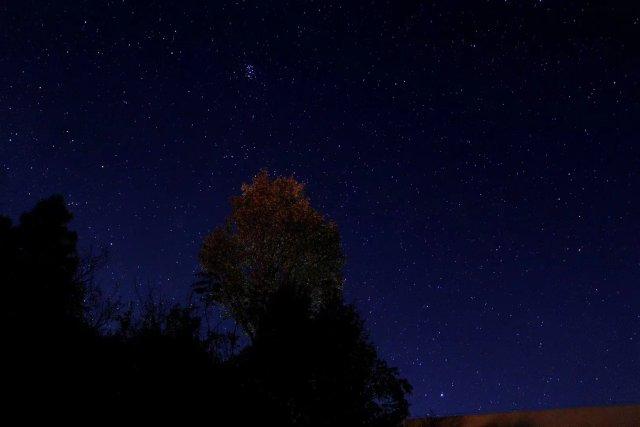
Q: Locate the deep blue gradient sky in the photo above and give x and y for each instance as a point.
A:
(481, 158)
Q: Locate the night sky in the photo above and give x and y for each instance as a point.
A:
(481, 158)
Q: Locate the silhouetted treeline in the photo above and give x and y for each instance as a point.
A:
(306, 365)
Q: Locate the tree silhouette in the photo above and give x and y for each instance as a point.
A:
(272, 236)
(318, 369)
(309, 363)
(46, 338)
(39, 268)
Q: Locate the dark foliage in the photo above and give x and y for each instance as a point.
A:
(45, 338)
(38, 264)
(304, 368)
(319, 369)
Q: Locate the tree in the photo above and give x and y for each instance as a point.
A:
(318, 370)
(272, 236)
(46, 338)
(39, 268)
(276, 268)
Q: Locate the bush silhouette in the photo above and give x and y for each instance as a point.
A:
(319, 369)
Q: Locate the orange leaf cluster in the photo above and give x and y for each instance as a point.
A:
(273, 237)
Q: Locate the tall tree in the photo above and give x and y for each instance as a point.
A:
(45, 336)
(272, 236)
(276, 267)
(39, 267)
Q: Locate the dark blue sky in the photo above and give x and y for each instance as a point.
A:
(481, 158)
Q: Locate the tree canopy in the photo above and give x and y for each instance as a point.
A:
(273, 236)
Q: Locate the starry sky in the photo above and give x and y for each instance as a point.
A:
(481, 158)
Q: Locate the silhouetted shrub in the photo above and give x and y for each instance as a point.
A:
(318, 370)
